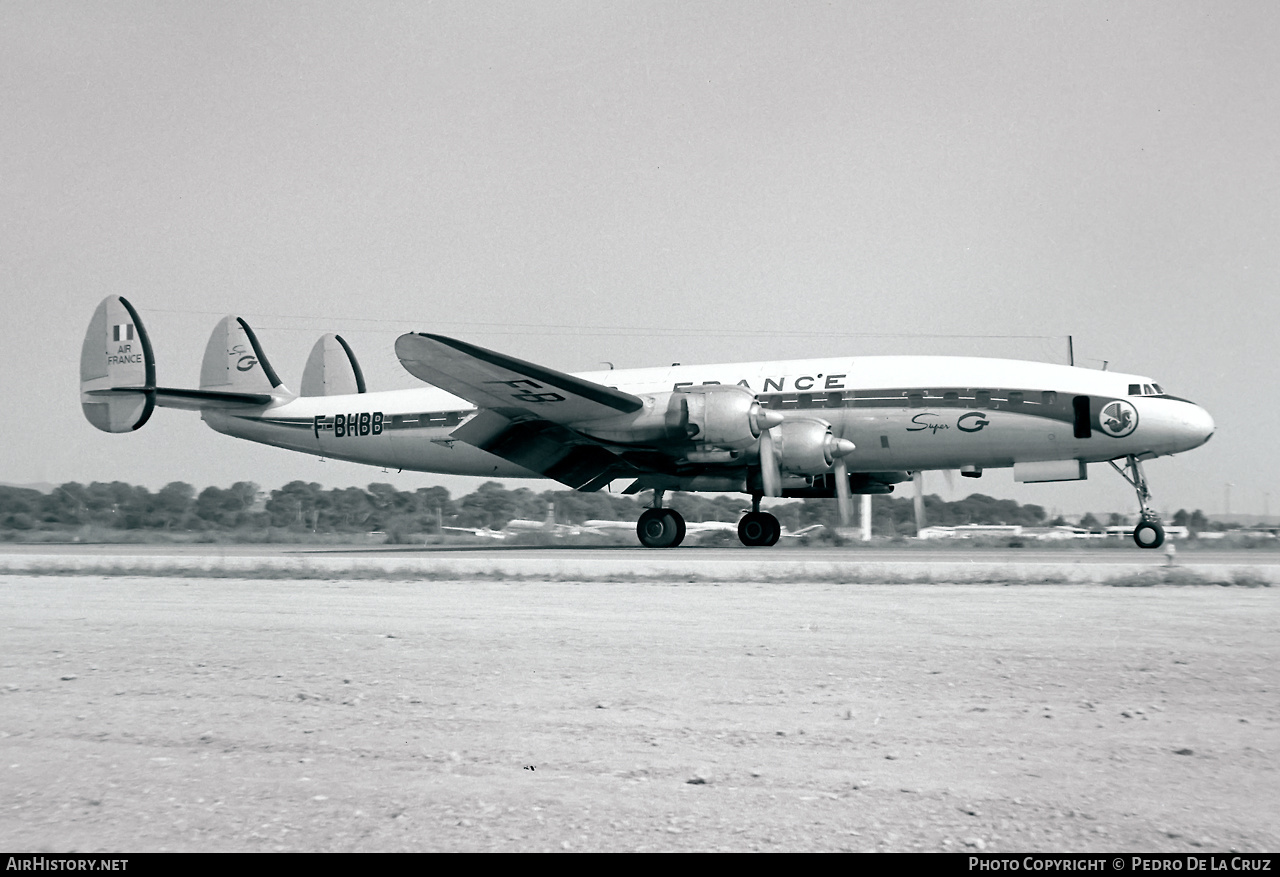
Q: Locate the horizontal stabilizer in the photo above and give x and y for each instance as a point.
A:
(332, 369)
(191, 400)
(198, 400)
(510, 385)
(118, 388)
(116, 356)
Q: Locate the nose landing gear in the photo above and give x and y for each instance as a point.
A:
(1149, 533)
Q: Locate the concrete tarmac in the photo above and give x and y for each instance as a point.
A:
(852, 564)
(143, 713)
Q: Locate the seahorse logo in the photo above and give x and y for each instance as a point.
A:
(1118, 419)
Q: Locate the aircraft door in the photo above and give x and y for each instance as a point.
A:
(1083, 429)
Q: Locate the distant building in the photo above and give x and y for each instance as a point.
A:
(1011, 531)
(968, 531)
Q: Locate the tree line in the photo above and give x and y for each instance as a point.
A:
(301, 506)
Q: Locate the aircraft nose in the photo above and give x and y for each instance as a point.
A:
(1198, 424)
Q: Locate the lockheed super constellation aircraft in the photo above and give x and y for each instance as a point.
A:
(802, 428)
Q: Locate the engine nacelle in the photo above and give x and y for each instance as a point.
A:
(806, 447)
(711, 416)
(719, 416)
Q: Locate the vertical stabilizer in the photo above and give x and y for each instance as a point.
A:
(234, 361)
(117, 369)
(332, 369)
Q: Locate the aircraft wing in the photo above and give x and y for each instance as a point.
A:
(503, 383)
(524, 409)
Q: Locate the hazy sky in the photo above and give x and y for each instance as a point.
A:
(643, 183)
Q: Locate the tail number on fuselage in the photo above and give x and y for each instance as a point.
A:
(349, 425)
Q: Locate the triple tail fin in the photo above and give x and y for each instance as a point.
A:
(332, 369)
(117, 368)
(234, 361)
(118, 388)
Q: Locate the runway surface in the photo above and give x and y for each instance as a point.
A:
(886, 564)
(150, 713)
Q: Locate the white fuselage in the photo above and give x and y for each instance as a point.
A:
(902, 413)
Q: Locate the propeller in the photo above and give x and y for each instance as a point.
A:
(918, 478)
(834, 450)
(844, 497)
(769, 472)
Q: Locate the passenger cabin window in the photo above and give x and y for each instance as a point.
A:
(1048, 397)
(951, 398)
(835, 400)
(1015, 398)
(915, 400)
(982, 397)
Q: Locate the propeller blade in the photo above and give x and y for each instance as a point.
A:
(844, 498)
(950, 475)
(918, 478)
(769, 472)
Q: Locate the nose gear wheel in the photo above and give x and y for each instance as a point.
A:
(1149, 533)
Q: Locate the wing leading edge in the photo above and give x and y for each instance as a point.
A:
(495, 380)
(526, 409)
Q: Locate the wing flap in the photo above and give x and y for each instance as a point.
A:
(547, 448)
(497, 381)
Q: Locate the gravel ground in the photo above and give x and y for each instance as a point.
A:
(141, 714)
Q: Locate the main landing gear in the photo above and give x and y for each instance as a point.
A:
(659, 527)
(664, 528)
(1149, 533)
(757, 527)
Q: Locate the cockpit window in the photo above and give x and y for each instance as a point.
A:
(1158, 390)
(1135, 389)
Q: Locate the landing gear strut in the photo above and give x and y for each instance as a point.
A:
(659, 527)
(1149, 533)
(757, 527)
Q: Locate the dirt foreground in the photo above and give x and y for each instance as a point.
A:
(141, 714)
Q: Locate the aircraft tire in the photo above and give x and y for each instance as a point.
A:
(775, 531)
(660, 528)
(758, 528)
(677, 521)
(1148, 534)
